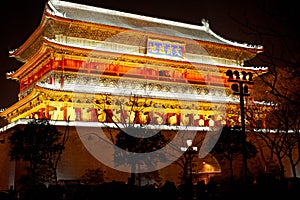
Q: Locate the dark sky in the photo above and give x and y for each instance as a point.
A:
(227, 18)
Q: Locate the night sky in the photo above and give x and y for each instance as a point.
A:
(228, 19)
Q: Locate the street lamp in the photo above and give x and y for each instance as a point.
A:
(240, 87)
(190, 150)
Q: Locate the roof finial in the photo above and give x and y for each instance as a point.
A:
(205, 23)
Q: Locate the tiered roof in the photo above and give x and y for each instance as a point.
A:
(63, 22)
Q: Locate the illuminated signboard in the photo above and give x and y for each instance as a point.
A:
(165, 48)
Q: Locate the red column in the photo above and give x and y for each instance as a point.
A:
(47, 112)
(65, 113)
(41, 113)
(78, 114)
(94, 115)
(109, 115)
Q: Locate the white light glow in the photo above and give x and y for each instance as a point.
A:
(189, 142)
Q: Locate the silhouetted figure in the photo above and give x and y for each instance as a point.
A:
(211, 189)
(201, 190)
(169, 191)
(188, 191)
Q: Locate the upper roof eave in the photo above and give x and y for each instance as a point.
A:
(38, 31)
(109, 17)
(56, 10)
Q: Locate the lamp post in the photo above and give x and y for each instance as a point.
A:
(189, 151)
(240, 87)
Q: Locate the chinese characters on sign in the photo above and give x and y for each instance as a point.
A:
(165, 48)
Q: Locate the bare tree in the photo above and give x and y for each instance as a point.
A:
(189, 154)
(41, 145)
(279, 133)
(131, 119)
(229, 147)
(276, 29)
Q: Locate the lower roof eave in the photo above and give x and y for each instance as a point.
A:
(105, 125)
